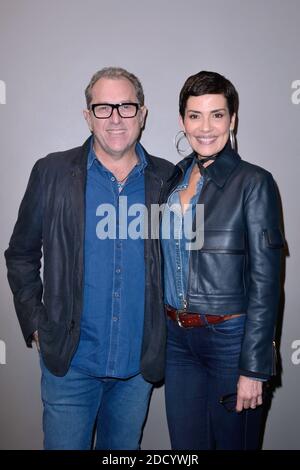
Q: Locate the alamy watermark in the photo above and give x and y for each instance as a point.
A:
(135, 222)
(295, 358)
(2, 352)
(2, 92)
(295, 97)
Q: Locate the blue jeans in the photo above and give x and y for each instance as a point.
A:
(202, 366)
(76, 404)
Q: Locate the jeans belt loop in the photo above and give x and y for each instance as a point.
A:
(178, 312)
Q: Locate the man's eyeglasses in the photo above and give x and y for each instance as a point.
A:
(229, 401)
(105, 110)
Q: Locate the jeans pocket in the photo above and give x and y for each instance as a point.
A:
(232, 327)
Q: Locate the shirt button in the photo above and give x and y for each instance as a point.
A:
(178, 268)
(113, 178)
(115, 318)
(118, 270)
(116, 294)
(177, 243)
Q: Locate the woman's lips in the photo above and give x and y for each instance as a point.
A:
(206, 140)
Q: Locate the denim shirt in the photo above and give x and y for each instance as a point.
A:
(114, 277)
(176, 230)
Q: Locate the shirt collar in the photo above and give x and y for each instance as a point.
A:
(92, 157)
(142, 158)
(184, 183)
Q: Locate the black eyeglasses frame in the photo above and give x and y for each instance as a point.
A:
(115, 106)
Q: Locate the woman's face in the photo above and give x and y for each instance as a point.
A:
(207, 123)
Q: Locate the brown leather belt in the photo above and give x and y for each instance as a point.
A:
(190, 319)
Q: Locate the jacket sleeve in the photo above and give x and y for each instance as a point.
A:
(23, 258)
(264, 244)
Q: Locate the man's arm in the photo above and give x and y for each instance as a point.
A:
(23, 258)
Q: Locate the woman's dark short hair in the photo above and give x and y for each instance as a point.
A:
(204, 83)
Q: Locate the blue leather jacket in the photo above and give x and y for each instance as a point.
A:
(238, 267)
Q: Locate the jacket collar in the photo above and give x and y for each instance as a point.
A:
(81, 157)
(220, 170)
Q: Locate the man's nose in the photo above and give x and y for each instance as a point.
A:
(115, 117)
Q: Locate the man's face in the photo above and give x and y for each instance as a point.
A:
(115, 136)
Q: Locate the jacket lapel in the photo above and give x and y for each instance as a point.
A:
(78, 173)
(224, 165)
(219, 171)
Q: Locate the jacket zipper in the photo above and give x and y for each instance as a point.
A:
(205, 184)
(274, 358)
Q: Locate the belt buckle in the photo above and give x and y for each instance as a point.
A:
(178, 312)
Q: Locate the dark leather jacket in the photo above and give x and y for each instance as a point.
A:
(51, 218)
(238, 268)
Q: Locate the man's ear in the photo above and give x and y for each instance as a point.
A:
(143, 116)
(87, 117)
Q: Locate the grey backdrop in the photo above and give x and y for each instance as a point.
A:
(50, 49)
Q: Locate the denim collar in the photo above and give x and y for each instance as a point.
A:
(92, 157)
(185, 182)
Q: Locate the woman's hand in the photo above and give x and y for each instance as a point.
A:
(249, 393)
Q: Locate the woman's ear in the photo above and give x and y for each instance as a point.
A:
(181, 123)
(232, 122)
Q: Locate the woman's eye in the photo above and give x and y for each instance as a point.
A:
(194, 116)
(218, 115)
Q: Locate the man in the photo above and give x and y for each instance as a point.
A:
(98, 318)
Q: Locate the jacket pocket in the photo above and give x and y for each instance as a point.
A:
(273, 238)
(224, 241)
(219, 267)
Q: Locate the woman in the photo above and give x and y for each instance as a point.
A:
(222, 295)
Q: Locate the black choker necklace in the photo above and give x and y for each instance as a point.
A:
(200, 162)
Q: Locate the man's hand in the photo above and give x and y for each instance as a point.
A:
(35, 338)
(249, 393)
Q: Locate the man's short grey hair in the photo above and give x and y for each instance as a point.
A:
(115, 73)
